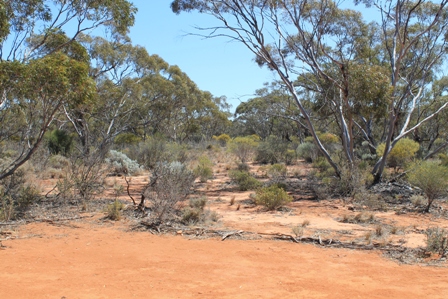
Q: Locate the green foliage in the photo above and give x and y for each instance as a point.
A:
(244, 180)
(156, 150)
(328, 138)
(431, 177)
(16, 195)
(58, 162)
(437, 240)
(122, 164)
(204, 169)
(403, 151)
(127, 139)
(272, 197)
(307, 151)
(114, 209)
(59, 142)
(223, 139)
(290, 156)
(243, 147)
(273, 150)
(169, 184)
(277, 173)
(195, 211)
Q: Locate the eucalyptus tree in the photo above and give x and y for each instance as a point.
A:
(319, 48)
(415, 40)
(42, 67)
(271, 112)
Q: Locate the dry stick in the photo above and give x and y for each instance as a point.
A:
(127, 189)
(231, 234)
(54, 188)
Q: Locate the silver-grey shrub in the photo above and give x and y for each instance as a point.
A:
(169, 184)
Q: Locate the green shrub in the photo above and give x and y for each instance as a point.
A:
(114, 210)
(222, 139)
(243, 147)
(169, 184)
(195, 211)
(127, 139)
(244, 180)
(307, 151)
(277, 173)
(16, 195)
(272, 197)
(437, 240)
(243, 167)
(58, 162)
(431, 177)
(204, 169)
(290, 156)
(155, 150)
(403, 151)
(59, 142)
(272, 150)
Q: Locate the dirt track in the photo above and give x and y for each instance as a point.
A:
(106, 262)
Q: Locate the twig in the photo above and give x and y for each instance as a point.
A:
(127, 189)
(231, 234)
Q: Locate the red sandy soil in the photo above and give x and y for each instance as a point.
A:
(102, 259)
(106, 262)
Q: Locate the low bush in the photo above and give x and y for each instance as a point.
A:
(307, 151)
(272, 197)
(204, 169)
(122, 164)
(155, 150)
(222, 139)
(16, 195)
(243, 147)
(277, 173)
(244, 180)
(403, 151)
(195, 212)
(114, 209)
(431, 177)
(169, 184)
(437, 240)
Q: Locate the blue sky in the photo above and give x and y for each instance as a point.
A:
(221, 67)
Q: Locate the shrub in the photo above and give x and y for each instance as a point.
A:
(243, 147)
(127, 139)
(290, 156)
(243, 167)
(84, 177)
(403, 151)
(58, 162)
(436, 240)
(121, 163)
(195, 211)
(204, 169)
(272, 197)
(59, 142)
(155, 150)
(307, 151)
(222, 139)
(431, 177)
(169, 184)
(16, 195)
(244, 180)
(277, 173)
(114, 210)
(272, 150)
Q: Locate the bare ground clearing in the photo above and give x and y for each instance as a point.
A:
(95, 258)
